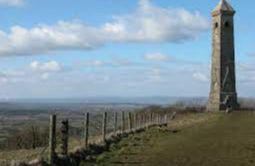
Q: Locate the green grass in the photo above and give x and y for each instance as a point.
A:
(199, 140)
(31, 154)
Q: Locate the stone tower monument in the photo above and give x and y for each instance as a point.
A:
(223, 81)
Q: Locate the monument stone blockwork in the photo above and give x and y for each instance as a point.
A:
(223, 79)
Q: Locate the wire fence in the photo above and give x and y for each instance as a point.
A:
(65, 134)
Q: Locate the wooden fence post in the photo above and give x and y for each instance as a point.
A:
(142, 121)
(157, 118)
(152, 119)
(86, 130)
(123, 121)
(135, 120)
(52, 140)
(64, 137)
(173, 116)
(115, 122)
(34, 136)
(130, 125)
(104, 126)
(146, 120)
(166, 119)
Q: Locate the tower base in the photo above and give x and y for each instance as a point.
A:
(223, 102)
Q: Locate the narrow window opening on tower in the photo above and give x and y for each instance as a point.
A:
(226, 24)
(216, 25)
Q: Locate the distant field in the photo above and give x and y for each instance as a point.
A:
(15, 117)
(18, 124)
(197, 140)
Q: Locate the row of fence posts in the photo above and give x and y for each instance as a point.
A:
(136, 121)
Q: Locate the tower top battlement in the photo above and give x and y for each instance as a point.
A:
(223, 7)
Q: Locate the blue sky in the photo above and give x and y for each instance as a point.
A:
(128, 48)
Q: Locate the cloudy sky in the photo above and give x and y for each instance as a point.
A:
(128, 48)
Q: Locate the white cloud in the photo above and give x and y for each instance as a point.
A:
(147, 80)
(11, 76)
(45, 76)
(148, 24)
(155, 75)
(200, 77)
(247, 67)
(97, 63)
(51, 66)
(44, 39)
(12, 2)
(115, 62)
(156, 57)
(245, 72)
(154, 24)
(155, 71)
(36, 71)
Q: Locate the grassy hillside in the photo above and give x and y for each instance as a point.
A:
(192, 140)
